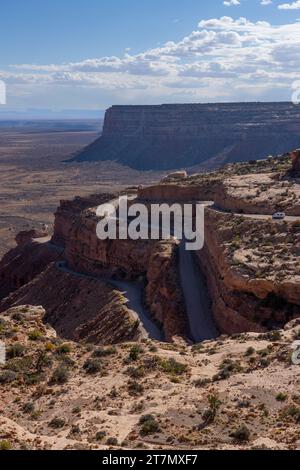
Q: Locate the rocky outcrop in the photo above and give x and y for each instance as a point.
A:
(163, 293)
(184, 135)
(78, 308)
(25, 237)
(177, 193)
(241, 300)
(21, 264)
(75, 243)
(154, 261)
(296, 162)
(258, 194)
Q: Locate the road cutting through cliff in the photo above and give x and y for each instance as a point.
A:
(133, 291)
(197, 301)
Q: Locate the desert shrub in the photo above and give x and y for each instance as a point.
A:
(28, 407)
(273, 335)
(173, 367)
(49, 347)
(151, 362)
(35, 335)
(264, 362)
(136, 372)
(5, 445)
(18, 317)
(201, 382)
(19, 364)
(250, 351)
(33, 378)
(8, 376)
(102, 352)
(75, 429)
(15, 350)
(112, 441)
(281, 397)
(92, 366)
(64, 348)
(241, 434)
(290, 412)
(43, 360)
(134, 388)
(263, 352)
(135, 352)
(60, 376)
(149, 425)
(57, 423)
(100, 435)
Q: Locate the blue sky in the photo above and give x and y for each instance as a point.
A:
(93, 53)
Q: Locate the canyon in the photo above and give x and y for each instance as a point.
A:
(247, 290)
(194, 135)
(140, 344)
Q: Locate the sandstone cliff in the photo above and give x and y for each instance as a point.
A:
(252, 272)
(180, 136)
(78, 308)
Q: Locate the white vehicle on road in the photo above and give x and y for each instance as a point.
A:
(278, 216)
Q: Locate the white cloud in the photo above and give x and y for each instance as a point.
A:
(290, 6)
(223, 59)
(231, 3)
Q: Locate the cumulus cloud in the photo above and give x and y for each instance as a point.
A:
(231, 3)
(215, 61)
(290, 6)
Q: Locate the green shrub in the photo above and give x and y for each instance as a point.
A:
(112, 441)
(149, 425)
(135, 352)
(102, 352)
(241, 434)
(136, 372)
(15, 350)
(64, 348)
(8, 376)
(281, 397)
(5, 445)
(60, 376)
(33, 378)
(173, 367)
(250, 351)
(28, 407)
(291, 411)
(92, 366)
(199, 383)
(35, 335)
(100, 435)
(57, 423)
(134, 388)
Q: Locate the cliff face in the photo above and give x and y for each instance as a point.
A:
(78, 308)
(250, 291)
(21, 264)
(296, 161)
(155, 261)
(180, 136)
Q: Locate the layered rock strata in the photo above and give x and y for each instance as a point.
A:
(184, 135)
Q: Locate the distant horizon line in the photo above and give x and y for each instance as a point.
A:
(91, 114)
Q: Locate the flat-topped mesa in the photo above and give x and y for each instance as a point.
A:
(184, 135)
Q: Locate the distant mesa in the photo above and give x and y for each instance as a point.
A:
(169, 137)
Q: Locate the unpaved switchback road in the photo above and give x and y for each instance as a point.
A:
(133, 291)
(197, 301)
